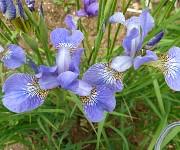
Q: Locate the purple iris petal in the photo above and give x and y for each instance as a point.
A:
(75, 60)
(102, 74)
(81, 13)
(10, 12)
(155, 39)
(117, 17)
(63, 60)
(24, 96)
(132, 42)
(140, 60)
(3, 6)
(61, 37)
(67, 78)
(121, 63)
(14, 57)
(20, 10)
(80, 87)
(146, 21)
(172, 69)
(94, 113)
(101, 99)
(48, 77)
(90, 8)
(131, 23)
(70, 22)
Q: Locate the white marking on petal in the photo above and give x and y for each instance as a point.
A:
(91, 99)
(171, 66)
(33, 89)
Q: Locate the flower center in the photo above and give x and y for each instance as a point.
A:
(170, 66)
(91, 99)
(110, 75)
(33, 89)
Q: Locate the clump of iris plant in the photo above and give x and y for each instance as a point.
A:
(99, 83)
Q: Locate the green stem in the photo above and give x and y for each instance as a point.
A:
(159, 97)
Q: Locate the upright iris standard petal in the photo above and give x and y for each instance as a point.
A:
(146, 22)
(63, 60)
(102, 74)
(140, 60)
(100, 100)
(70, 21)
(75, 60)
(24, 96)
(48, 77)
(131, 23)
(121, 63)
(61, 37)
(132, 42)
(117, 17)
(171, 69)
(14, 57)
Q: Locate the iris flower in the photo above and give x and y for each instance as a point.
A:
(169, 64)
(137, 30)
(96, 99)
(22, 93)
(13, 57)
(90, 8)
(8, 9)
(67, 59)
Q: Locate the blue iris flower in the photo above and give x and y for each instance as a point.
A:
(90, 8)
(67, 59)
(13, 57)
(137, 30)
(96, 99)
(8, 9)
(22, 93)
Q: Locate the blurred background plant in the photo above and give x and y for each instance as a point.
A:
(144, 107)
